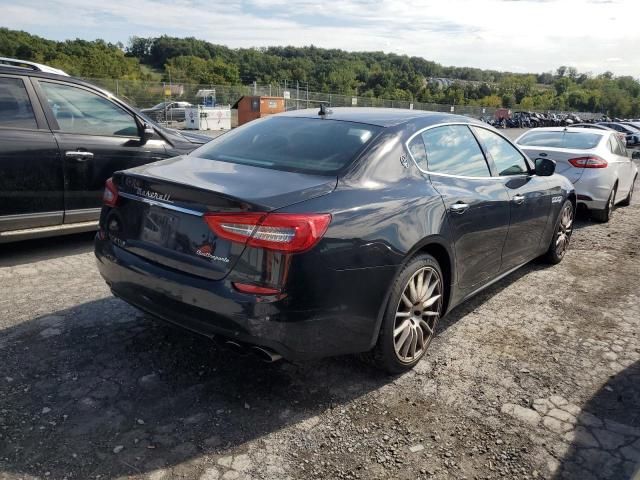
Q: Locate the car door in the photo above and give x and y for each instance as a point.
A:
(623, 166)
(477, 205)
(96, 137)
(529, 195)
(31, 177)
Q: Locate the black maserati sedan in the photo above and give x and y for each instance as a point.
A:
(310, 234)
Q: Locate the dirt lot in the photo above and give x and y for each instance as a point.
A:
(537, 377)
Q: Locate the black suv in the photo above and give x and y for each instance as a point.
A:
(60, 139)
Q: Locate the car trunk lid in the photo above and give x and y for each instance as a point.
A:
(161, 207)
(561, 156)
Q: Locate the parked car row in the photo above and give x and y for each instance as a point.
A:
(504, 118)
(304, 234)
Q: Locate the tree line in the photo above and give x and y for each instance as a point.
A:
(369, 74)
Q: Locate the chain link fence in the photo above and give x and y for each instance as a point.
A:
(142, 94)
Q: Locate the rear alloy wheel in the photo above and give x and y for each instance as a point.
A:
(415, 306)
(627, 201)
(562, 236)
(605, 214)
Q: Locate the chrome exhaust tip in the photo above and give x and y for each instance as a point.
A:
(266, 354)
(236, 347)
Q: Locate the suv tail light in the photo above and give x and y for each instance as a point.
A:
(284, 232)
(591, 161)
(110, 195)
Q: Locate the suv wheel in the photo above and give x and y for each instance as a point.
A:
(414, 308)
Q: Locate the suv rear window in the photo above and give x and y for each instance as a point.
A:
(15, 107)
(578, 140)
(308, 145)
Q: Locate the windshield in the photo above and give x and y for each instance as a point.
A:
(307, 145)
(577, 140)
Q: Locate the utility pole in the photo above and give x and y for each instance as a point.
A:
(307, 94)
(297, 94)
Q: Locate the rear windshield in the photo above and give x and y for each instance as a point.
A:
(307, 145)
(578, 140)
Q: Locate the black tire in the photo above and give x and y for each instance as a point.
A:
(561, 234)
(605, 214)
(627, 201)
(384, 354)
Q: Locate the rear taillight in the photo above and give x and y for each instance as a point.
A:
(284, 232)
(110, 195)
(255, 289)
(591, 161)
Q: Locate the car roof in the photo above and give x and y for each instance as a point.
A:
(27, 65)
(51, 76)
(382, 117)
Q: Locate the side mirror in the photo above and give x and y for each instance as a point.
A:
(545, 167)
(147, 133)
(636, 155)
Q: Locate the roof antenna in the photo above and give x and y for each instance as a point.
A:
(324, 111)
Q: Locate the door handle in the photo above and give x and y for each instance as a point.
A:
(518, 199)
(79, 155)
(459, 208)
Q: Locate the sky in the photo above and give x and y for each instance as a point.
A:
(513, 35)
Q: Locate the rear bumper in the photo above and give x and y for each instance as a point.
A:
(593, 188)
(216, 309)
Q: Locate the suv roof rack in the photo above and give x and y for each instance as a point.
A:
(15, 63)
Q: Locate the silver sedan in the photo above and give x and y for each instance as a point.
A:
(595, 161)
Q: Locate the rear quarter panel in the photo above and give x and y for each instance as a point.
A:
(382, 212)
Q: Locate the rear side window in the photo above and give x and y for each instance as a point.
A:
(453, 150)
(418, 152)
(15, 106)
(80, 111)
(615, 146)
(308, 145)
(508, 160)
(578, 140)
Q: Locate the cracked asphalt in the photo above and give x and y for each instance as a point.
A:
(536, 377)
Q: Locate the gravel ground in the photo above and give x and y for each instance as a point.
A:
(537, 377)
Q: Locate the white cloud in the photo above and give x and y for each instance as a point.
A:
(527, 35)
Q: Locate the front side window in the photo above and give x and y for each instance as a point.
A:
(80, 111)
(453, 150)
(309, 145)
(15, 106)
(508, 160)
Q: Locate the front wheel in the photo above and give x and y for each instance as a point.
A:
(562, 234)
(413, 310)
